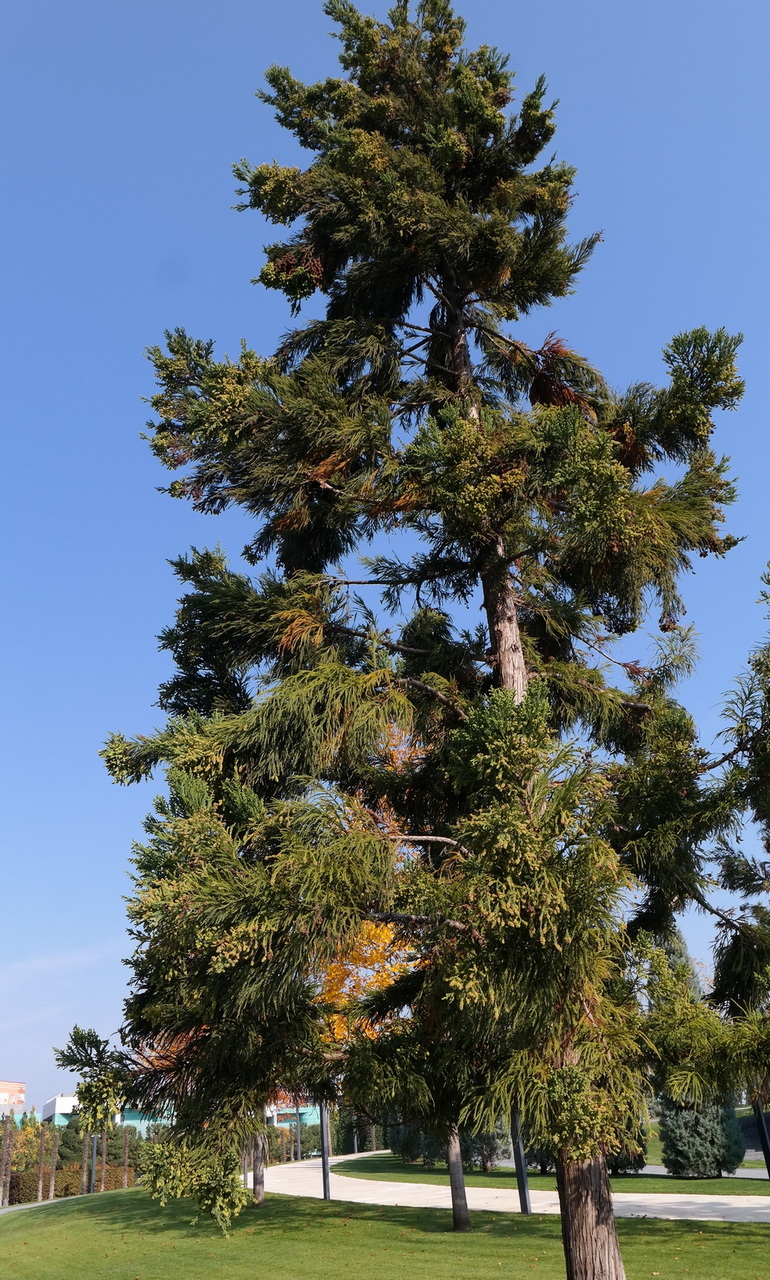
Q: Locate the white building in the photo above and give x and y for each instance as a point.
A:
(13, 1097)
(59, 1109)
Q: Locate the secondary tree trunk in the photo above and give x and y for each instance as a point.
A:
(588, 1232)
(461, 1219)
(3, 1157)
(5, 1181)
(84, 1164)
(501, 607)
(41, 1163)
(104, 1160)
(258, 1165)
(54, 1159)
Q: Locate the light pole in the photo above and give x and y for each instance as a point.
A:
(521, 1165)
(764, 1136)
(324, 1116)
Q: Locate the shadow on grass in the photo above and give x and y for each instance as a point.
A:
(135, 1210)
(289, 1216)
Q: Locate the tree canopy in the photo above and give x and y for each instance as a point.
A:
(407, 718)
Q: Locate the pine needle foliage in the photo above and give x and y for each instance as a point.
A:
(516, 805)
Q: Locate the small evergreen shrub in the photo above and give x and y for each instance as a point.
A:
(703, 1143)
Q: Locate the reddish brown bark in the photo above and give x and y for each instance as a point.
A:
(588, 1233)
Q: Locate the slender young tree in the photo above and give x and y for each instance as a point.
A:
(84, 1161)
(40, 1164)
(101, 1090)
(522, 489)
(54, 1161)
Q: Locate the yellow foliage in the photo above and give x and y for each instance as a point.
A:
(370, 965)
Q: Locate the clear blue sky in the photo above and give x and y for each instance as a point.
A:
(121, 122)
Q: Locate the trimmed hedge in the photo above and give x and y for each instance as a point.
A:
(23, 1189)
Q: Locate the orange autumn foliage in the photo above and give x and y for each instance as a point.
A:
(371, 965)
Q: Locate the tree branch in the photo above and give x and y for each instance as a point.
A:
(421, 687)
(737, 926)
(406, 838)
(398, 917)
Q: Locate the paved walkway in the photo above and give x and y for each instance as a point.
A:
(39, 1204)
(304, 1179)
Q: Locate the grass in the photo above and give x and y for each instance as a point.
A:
(123, 1235)
(388, 1168)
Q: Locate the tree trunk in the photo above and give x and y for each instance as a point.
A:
(501, 605)
(258, 1165)
(4, 1156)
(40, 1163)
(373, 1136)
(461, 1219)
(125, 1157)
(84, 1164)
(5, 1183)
(54, 1159)
(104, 1160)
(588, 1232)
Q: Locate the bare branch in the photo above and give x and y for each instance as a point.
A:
(445, 701)
(406, 838)
(398, 917)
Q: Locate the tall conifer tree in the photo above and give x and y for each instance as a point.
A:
(360, 759)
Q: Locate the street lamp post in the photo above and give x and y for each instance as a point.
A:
(764, 1136)
(324, 1115)
(521, 1165)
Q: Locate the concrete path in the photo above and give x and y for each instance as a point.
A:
(304, 1179)
(40, 1204)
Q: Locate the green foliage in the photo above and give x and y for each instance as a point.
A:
(700, 1143)
(519, 821)
(71, 1142)
(173, 1170)
(479, 1151)
(101, 1091)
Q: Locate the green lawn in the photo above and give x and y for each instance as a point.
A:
(388, 1168)
(123, 1235)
